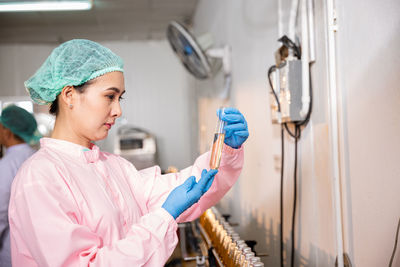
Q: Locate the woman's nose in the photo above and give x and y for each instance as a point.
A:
(117, 111)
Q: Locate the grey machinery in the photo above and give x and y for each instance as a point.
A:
(137, 146)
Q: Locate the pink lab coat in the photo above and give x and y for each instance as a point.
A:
(71, 207)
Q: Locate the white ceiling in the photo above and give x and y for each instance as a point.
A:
(108, 20)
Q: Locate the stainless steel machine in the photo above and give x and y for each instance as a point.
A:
(137, 146)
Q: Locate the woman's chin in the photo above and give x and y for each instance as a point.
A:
(100, 137)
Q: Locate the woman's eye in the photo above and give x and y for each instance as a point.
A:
(120, 98)
(111, 97)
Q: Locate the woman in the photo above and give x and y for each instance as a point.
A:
(73, 205)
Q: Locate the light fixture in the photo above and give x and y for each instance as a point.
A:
(45, 6)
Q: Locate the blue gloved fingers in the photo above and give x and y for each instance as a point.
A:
(177, 200)
(185, 195)
(232, 134)
(230, 114)
(236, 137)
(236, 118)
(204, 183)
(202, 180)
(230, 110)
(233, 118)
(242, 133)
(235, 122)
(189, 183)
(227, 111)
(208, 185)
(205, 177)
(235, 127)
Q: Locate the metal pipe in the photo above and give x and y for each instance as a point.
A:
(280, 24)
(334, 128)
(305, 65)
(292, 20)
(311, 30)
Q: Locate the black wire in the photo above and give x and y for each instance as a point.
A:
(297, 133)
(395, 244)
(270, 70)
(281, 189)
(294, 135)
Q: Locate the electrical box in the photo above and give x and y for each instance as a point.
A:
(287, 83)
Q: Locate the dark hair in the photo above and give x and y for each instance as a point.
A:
(54, 105)
(18, 138)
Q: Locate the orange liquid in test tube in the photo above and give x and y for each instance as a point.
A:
(216, 150)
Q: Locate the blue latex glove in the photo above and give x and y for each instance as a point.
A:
(236, 127)
(188, 193)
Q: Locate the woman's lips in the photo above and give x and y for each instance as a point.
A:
(108, 125)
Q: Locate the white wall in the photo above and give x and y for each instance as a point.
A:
(251, 28)
(369, 81)
(158, 89)
(369, 105)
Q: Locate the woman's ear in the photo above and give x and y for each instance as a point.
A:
(67, 96)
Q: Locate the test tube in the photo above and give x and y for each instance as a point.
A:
(248, 256)
(235, 256)
(246, 250)
(240, 241)
(242, 259)
(218, 143)
(255, 259)
(235, 237)
(225, 249)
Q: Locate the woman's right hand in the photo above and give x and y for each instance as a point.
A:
(188, 193)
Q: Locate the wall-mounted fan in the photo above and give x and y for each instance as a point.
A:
(197, 54)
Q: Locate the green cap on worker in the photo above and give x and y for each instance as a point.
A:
(21, 123)
(71, 64)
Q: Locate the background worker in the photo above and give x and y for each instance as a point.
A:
(17, 131)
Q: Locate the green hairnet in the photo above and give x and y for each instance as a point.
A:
(21, 123)
(72, 63)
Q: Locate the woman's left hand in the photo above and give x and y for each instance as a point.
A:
(236, 127)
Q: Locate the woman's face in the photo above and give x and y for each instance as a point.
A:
(95, 110)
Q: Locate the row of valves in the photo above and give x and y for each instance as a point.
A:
(232, 251)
